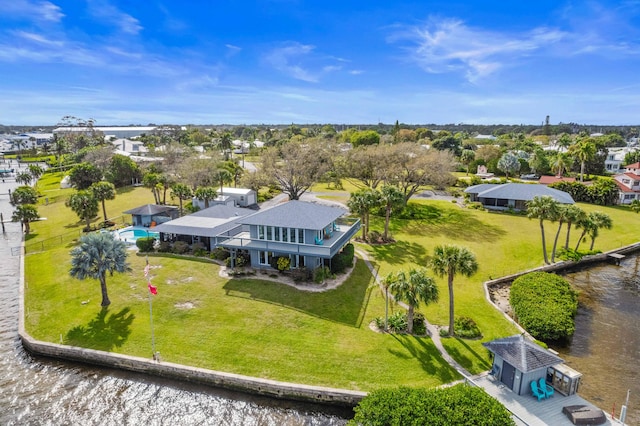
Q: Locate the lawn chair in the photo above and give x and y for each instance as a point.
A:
(539, 393)
(544, 387)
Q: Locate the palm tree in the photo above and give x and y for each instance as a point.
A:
(599, 221)
(182, 191)
(543, 208)
(573, 214)
(561, 217)
(583, 150)
(222, 175)
(85, 205)
(391, 199)
(97, 254)
(103, 191)
(362, 202)
(413, 289)
(559, 164)
(23, 195)
(206, 193)
(25, 214)
(451, 260)
(151, 181)
(24, 178)
(466, 157)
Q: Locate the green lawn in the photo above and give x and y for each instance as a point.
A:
(270, 330)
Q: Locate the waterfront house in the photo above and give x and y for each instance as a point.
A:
(309, 234)
(513, 195)
(628, 184)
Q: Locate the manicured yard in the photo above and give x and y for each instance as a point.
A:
(270, 330)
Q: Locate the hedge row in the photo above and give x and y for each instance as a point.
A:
(545, 305)
(453, 406)
(343, 260)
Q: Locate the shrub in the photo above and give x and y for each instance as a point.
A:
(375, 236)
(301, 274)
(219, 253)
(199, 249)
(466, 328)
(419, 326)
(320, 274)
(571, 254)
(283, 263)
(145, 244)
(397, 322)
(180, 247)
(343, 260)
(475, 205)
(453, 406)
(164, 247)
(545, 305)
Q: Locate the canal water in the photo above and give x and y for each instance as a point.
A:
(40, 391)
(606, 345)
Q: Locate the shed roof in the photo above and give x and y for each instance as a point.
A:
(295, 214)
(150, 209)
(518, 191)
(522, 353)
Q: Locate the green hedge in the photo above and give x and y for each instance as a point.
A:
(343, 260)
(453, 406)
(145, 244)
(545, 305)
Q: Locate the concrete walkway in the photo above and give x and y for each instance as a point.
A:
(432, 330)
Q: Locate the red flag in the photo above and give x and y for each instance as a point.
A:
(152, 289)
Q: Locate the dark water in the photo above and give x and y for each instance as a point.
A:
(35, 391)
(606, 345)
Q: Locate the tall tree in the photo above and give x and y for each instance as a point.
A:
(83, 175)
(599, 221)
(466, 157)
(543, 208)
(412, 289)
(35, 171)
(103, 191)
(24, 178)
(97, 254)
(85, 205)
(391, 200)
(222, 176)
(573, 214)
(25, 214)
(559, 164)
(509, 163)
(450, 260)
(182, 192)
(362, 202)
(206, 194)
(122, 171)
(297, 166)
(153, 181)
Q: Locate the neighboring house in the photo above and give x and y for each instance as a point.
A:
(628, 184)
(309, 234)
(128, 147)
(615, 159)
(241, 197)
(513, 195)
(203, 226)
(483, 173)
(485, 137)
(518, 361)
(118, 131)
(151, 215)
(548, 180)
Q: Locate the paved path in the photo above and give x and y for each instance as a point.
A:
(432, 330)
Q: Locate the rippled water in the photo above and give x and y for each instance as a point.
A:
(40, 391)
(606, 345)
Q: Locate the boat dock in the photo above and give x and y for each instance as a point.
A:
(528, 411)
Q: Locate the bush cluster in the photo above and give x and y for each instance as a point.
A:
(545, 305)
(603, 191)
(452, 406)
(398, 323)
(343, 260)
(466, 328)
(145, 244)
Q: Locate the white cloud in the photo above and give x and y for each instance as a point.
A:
(446, 45)
(104, 10)
(287, 59)
(32, 10)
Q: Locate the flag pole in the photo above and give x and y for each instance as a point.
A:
(153, 338)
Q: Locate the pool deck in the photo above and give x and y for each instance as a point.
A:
(527, 410)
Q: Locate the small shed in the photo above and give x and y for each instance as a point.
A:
(239, 197)
(517, 361)
(151, 215)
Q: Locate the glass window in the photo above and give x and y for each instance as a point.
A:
(270, 233)
(276, 233)
(285, 234)
(301, 236)
(292, 235)
(261, 232)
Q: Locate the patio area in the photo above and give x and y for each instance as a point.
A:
(526, 408)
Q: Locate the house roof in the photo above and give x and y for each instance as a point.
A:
(150, 209)
(518, 191)
(208, 222)
(622, 187)
(522, 353)
(633, 166)
(546, 180)
(295, 214)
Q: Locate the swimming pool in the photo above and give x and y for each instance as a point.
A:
(131, 233)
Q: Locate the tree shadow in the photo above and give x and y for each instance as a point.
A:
(346, 304)
(399, 252)
(463, 359)
(104, 332)
(430, 359)
(449, 222)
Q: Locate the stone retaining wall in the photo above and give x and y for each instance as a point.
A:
(253, 385)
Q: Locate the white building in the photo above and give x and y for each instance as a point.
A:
(117, 131)
(239, 197)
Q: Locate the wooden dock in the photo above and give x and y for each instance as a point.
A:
(617, 257)
(527, 410)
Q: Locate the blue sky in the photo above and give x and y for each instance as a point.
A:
(287, 61)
